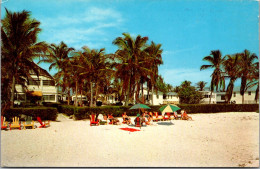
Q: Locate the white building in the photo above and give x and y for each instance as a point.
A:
(42, 86)
(206, 97)
(219, 97)
(249, 96)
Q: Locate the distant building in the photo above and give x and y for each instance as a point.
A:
(219, 97)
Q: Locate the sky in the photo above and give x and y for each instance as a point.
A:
(187, 29)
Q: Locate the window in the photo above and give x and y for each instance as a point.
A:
(19, 97)
(222, 97)
(234, 94)
(34, 82)
(157, 96)
(48, 97)
(171, 96)
(249, 93)
(48, 83)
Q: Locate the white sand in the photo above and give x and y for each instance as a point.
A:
(210, 140)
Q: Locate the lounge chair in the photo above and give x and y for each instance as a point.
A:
(171, 117)
(15, 123)
(43, 125)
(166, 116)
(185, 116)
(157, 117)
(28, 123)
(93, 120)
(4, 124)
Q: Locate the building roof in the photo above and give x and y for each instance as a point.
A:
(43, 72)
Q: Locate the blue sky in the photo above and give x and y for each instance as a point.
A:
(187, 29)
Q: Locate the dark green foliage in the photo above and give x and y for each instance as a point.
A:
(51, 104)
(83, 113)
(215, 108)
(46, 113)
(188, 94)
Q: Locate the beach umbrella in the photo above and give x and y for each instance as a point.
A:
(169, 108)
(139, 106)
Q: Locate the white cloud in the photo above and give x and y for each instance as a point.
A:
(85, 28)
(177, 76)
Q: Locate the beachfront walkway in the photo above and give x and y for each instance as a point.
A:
(212, 140)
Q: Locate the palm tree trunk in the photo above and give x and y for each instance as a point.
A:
(127, 94)
(96, 95)
(243, 99)
(76, 100)
(152, 95)
(81, 97)
(69, 95)
(12, 94)
(91, 95)
(257, 93)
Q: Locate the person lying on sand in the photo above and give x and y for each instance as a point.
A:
(113, 119)
(126, 119)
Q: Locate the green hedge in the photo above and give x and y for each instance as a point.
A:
(216, 108)
(84, 112)
(46, 113)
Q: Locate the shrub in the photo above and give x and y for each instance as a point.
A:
(215, 108)
(46, 113)
(50, 104)
(84, 112)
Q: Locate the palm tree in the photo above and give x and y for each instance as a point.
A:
(92, 65)
(129, 56)
(20, 46)
(59, 59)
(247, 62)
(154, 59)
(201, 85)
(232, 69)
(215, 59)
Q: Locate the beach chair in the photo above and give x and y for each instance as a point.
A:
(185, 116)
(93, 120)
(157, 117)
(43, 125)
(167, 117)
(28, 123)
(171, 117)
(4, 123)
(15, 123)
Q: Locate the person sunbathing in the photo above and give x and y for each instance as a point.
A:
(138, 121)
(126, 119)
(113, 120)
(185, 116)
(145, 119)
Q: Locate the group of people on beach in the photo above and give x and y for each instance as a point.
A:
(143, 118)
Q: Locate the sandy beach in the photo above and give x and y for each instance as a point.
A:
(210, 140)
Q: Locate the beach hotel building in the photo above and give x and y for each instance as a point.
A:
(42, 86)
(219, 97)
